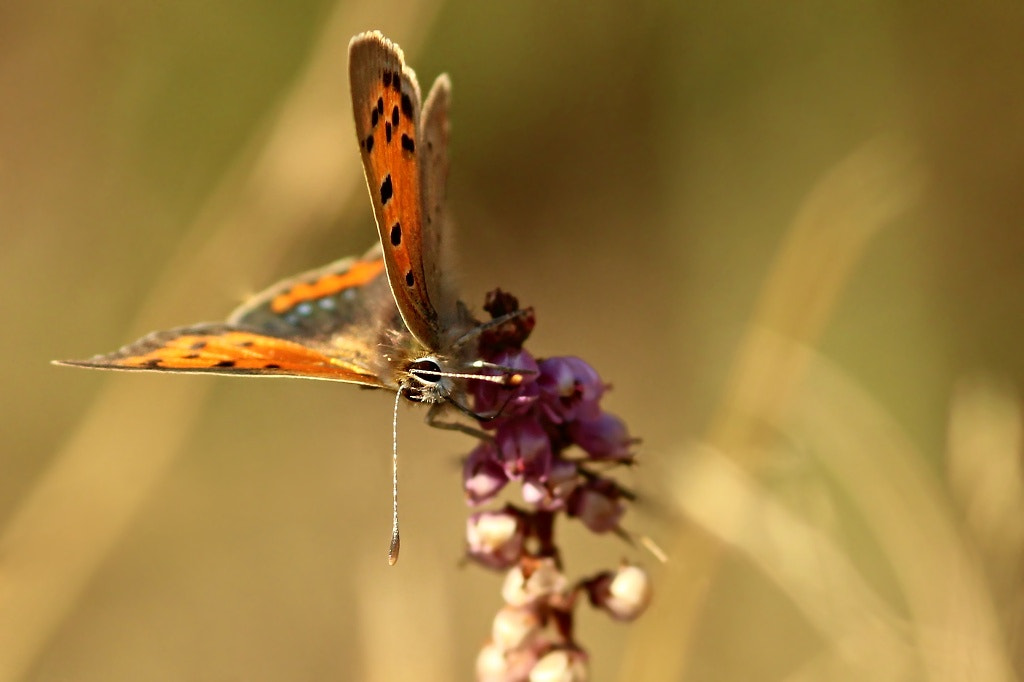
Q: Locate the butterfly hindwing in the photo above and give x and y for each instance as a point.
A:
(434, 245)
(349, 296)
(387, 107)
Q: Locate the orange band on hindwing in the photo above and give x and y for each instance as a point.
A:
(358, 275)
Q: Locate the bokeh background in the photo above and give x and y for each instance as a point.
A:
(789, 235)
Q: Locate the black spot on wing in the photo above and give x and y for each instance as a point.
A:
(368, 142)
(406, 106)
(387, 131)
(409, 279)
(386, 190)
(408, 144)
(396, 234)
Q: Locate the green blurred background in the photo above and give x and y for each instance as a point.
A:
(638, 172)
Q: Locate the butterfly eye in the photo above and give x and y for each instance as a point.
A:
(426, 370)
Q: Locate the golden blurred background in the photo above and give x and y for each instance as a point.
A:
(789, 235)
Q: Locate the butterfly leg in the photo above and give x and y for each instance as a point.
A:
(473, 334)
(434, 419)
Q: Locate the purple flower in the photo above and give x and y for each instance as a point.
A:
(604, 437)
(555, 406)
(570, 389)
(496, 400)
(524, 447)
(598, 504)
(552, 492)
(483, 476)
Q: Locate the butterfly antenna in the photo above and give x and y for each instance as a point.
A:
(512, 378)
(396, 542)
(483, 364)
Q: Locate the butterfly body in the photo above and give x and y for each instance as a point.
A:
(388, 319)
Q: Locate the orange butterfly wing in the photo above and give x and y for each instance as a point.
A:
(405, 162)
(220, 349)
(332, 323)
(323, 324)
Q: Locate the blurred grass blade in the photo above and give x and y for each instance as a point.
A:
(835, 664)
(868, 638)
(835, 224)
(854, 201)
(986, 443)
(952, 611)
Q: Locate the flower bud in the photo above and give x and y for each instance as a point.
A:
(494, 664)
(561, 665)
(514, 626)
(624, 594)
(495, 538)
(544, 580)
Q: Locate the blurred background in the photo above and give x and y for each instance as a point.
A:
(789, 236)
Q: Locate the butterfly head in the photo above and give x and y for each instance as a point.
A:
(427, 381)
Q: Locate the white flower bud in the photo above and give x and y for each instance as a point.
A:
(513, 626)
(544, 580)
(624, 594)
(560, 665)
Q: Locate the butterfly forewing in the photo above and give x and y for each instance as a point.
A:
(226, 349)
(386, 106)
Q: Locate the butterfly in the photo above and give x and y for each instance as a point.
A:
(388, 319)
